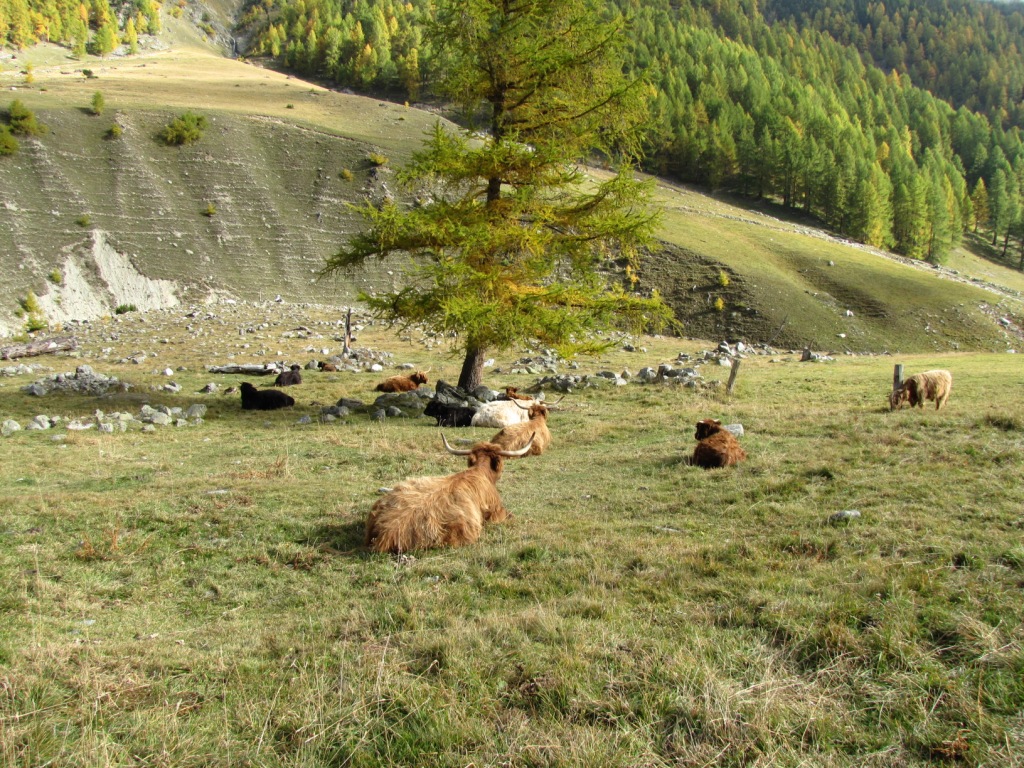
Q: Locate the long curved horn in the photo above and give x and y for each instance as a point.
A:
(521, 452)
(455, 451)
(524, 407)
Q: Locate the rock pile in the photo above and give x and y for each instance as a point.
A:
(148, 419)
(84, 381)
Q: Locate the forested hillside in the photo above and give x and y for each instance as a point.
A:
(94, 26)
(765, 106)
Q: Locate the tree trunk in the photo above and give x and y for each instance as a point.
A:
(40, 347)
(472, 375)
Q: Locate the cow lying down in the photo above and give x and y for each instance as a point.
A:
(428, 512)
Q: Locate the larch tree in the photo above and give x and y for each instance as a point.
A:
(514, 240)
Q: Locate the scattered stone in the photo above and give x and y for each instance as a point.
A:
(196, 411)
(9, 427)
(844, 516)
(736, 429)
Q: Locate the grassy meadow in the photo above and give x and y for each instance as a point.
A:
(200, 595)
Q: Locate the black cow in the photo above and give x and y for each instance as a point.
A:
(263, 399)
(289, 378)
(449, 415)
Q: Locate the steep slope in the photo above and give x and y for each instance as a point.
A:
(251, 210)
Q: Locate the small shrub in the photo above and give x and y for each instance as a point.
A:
(377, 159)
(30, 304)
(32, 310)
(96, 106)
(84, 220)
(208, 30)
(35, 323)
(121, 309)
(210, 210)
(719, 304)
(29, 76)
(23, 120)
(176, 11)
(289, 106)
(56, 277)
(723, 278)
(346, 174)
(114, 131)
(8, 144)
(88, 74)
(184, 129)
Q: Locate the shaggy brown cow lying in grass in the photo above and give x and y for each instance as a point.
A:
(402, 383)
(427, 512)
(717, 446)
(515, 436)
(930, 385)
(263, 399)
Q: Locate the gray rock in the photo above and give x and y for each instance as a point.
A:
(195, 411)
(378, 415)
(209, 389)
(9, 427)
(394, 412)
(736, 429)
(160, 419)
(844, 516)
(106, 426)
(404, 401)
(39, 422)
(305, 420)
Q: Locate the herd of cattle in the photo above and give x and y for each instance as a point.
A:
(450, 511)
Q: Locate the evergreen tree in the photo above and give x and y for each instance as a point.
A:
(23, 121)
(510, 246)
(131, 36)
(8, 144)
(97, 103)
(105, 39)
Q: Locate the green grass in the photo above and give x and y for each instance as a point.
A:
(200, 595)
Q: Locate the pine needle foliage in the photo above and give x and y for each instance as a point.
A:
(514, 240)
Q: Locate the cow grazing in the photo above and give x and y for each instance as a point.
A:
(930, 385)
(428, 512)
(289, 378)
(263, 399)
(450, 415)
(716, 446)
(502, 413)
(534, 431)
(402, 383)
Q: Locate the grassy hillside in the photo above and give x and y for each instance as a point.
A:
(282, 158)
(278, 163)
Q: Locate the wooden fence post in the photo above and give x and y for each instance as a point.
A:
(897, 376)
(732, 375)
(347, 345)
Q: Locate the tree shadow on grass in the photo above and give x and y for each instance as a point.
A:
(982, 247)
